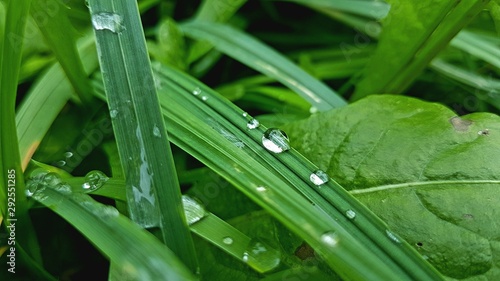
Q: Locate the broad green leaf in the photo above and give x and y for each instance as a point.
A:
(424, 29)
(412, 160)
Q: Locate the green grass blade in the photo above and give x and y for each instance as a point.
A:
(477, 46)
(262, 58)
(135, 251)
(422, 40)
(153, 193)
(11, 174)
(53, 22)
(218, 10)
(369, 9)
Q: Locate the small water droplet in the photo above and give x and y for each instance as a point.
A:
(261, 256)
(196, 91)
(319, 177)
(193, 210)
(253, 123)
(113, 113)
(313, 110)
(156, 131)
(244, 114)
(330, 238)
(350, 214)
(61, 163)
(63, 188)
(51, 179)
(108, 21)
(392, 236)
(484, 132)
(68, 154)
(204, 98)
(227, 240)
(275, 140)
(94, 180)
(261, 189)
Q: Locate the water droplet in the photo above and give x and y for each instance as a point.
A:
(193, 210)
(261, 256)
(196, 91)
(108, 21)
(313, 110)
(156, 131)
(261, 189)
(31, 187)
(63, 188)
(330, 238)
(68, 154)
(113, 113)
(253, 123)
(227, 240)
(275, 140)
(204, 98)
(350, 214)
(61, 163)
(318, 177)
(244, 114)
(392, 236)
(51, 179)
(94, 180)
(484, 132)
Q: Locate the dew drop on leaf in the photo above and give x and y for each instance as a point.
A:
(113, 113)
(227, 240)
(204, 98)
(330, 238)
(350, 214)
(156, 131)
(108, 21)
(261, 189)
(392, 236)
(318, 177)
(51, 179)
(94, 180)
(253, 124)
(193, 209)
(275, 140)
(196, 91)
(261, 256)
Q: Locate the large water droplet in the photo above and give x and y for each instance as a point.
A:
(227, 240)
(196, 91)
(113, 113)
(393, 236)
(330, 239)
(253, 123)
(108, 21)
(156, 131)
(318, 177)
(63, 188)
(350, 214)
(261, 256)
(94, 180)
(51, 179)
(275, 140)
(193, 210)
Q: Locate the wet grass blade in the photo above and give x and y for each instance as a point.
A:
(11, 178)
(153, 193)
(262, 58)
(138, 254)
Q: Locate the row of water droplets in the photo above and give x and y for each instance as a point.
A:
(40, 179)
(277, 141)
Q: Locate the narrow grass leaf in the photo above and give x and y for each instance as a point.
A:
(11, 173)
(153, 192)
(135, 251)
(370, 9)
(477, 46)
(260, 57)
(218, 10)
(52, 20)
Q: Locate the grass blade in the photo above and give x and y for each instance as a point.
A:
(370, 9)
(135, 251)
(53, 22)
(153, 193)
(218, 10)
(11, 173)
(262, 58)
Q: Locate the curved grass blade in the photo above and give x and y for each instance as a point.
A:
(218, 10)
(153, 192)
(135, 251)
(262, 58)
(370, 9)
